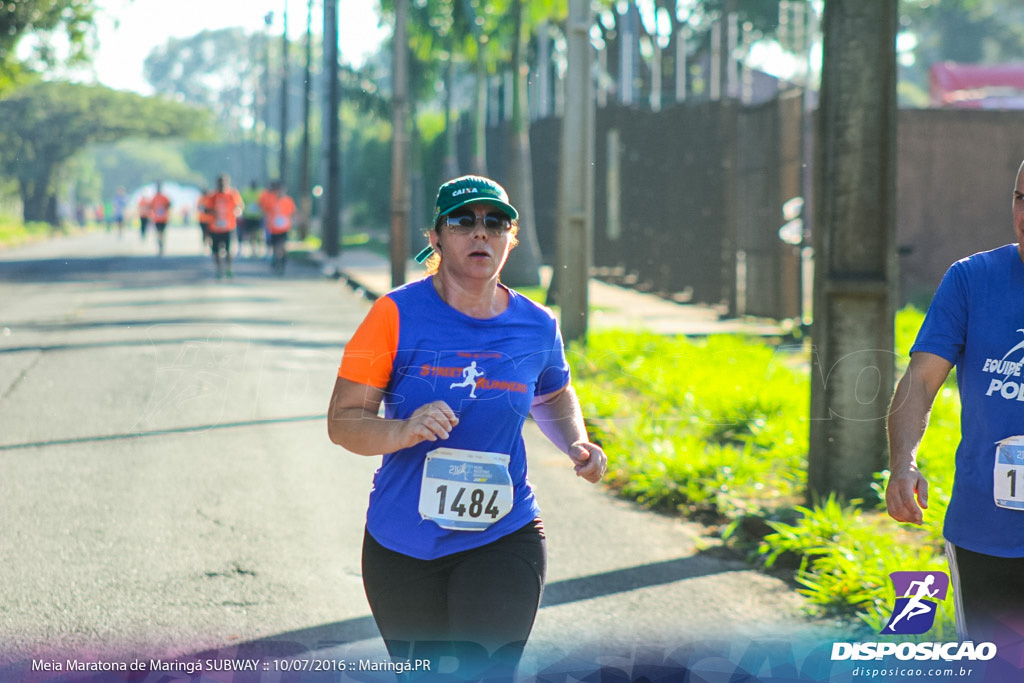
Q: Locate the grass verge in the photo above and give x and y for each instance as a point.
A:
(14, 233)
(716, 430)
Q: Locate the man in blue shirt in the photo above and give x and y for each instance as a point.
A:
(976, 324)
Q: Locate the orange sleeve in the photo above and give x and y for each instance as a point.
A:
(370, 354)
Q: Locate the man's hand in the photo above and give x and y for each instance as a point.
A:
(906, 495)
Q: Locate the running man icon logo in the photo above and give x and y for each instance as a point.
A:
(917, 599)
(470, 376)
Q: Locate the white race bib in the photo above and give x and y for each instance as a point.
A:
(465, 490)
(1008, 474)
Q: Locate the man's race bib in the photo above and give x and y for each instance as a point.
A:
(1008, 475)
(465, 490)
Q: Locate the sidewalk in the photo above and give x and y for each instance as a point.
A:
(611, 306)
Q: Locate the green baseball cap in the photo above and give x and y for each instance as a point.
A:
(471, 189)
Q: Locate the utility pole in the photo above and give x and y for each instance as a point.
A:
(576, 190)
(282, 163)
(728, 120)
(399, 149)
(332, 203)
(855, 248)
(478, 161)
(268, 19)
(305, 191)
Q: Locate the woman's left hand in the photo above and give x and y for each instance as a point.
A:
(589, 459)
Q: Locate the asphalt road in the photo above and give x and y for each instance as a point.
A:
(167, 488)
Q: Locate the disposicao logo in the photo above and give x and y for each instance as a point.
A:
(918, 595)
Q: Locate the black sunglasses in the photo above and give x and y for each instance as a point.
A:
(465, 222)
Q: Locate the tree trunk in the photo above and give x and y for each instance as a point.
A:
(479, 162)
(36, 199)
(854, 249)
(523, 266)
(451, 161)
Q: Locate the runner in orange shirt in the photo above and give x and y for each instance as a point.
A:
(159, 212)
(143, 214)
(226, 206)
(266, 199)
(279, 210)
(205, 212)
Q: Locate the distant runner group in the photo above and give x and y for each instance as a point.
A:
(256, 216)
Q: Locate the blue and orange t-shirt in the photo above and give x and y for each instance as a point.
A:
(418, 349)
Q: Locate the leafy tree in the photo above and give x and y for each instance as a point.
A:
(217, 70)
(47, 123)
(449, 39)
(18, 18)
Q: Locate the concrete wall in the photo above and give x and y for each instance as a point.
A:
(954, 188)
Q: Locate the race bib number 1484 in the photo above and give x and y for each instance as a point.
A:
(465, 490)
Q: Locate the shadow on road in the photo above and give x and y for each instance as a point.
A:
(287, 343)
(162, 432)
(350, 631)
(143, 272)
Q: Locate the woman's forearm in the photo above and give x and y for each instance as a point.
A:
(560, 418)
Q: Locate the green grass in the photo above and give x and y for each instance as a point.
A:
(717, 430)
(14, 232)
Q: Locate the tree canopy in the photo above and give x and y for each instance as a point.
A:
(217, 70)
(47, 123)
(73, 18)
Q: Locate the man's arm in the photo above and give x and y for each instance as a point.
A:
(906, 495)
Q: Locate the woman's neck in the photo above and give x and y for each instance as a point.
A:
(482, 300)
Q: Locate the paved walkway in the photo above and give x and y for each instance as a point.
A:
(612, 306)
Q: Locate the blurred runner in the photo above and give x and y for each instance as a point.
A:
(267, 197)
(280, 209)
(159, 212)
(143, 214)
(226, 206)
(119, 206)
(252, 221)
(204, 209)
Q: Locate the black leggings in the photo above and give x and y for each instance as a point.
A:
(475, 607)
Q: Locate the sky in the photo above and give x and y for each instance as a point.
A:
(129, 29)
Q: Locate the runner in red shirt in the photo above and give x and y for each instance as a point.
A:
(225, 207)
(159, 211)
(279, 209)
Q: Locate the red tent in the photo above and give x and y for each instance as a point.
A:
(976, 86)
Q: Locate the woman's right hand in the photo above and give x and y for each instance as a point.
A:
(430, 422)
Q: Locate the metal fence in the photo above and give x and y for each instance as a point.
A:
(689, 199)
